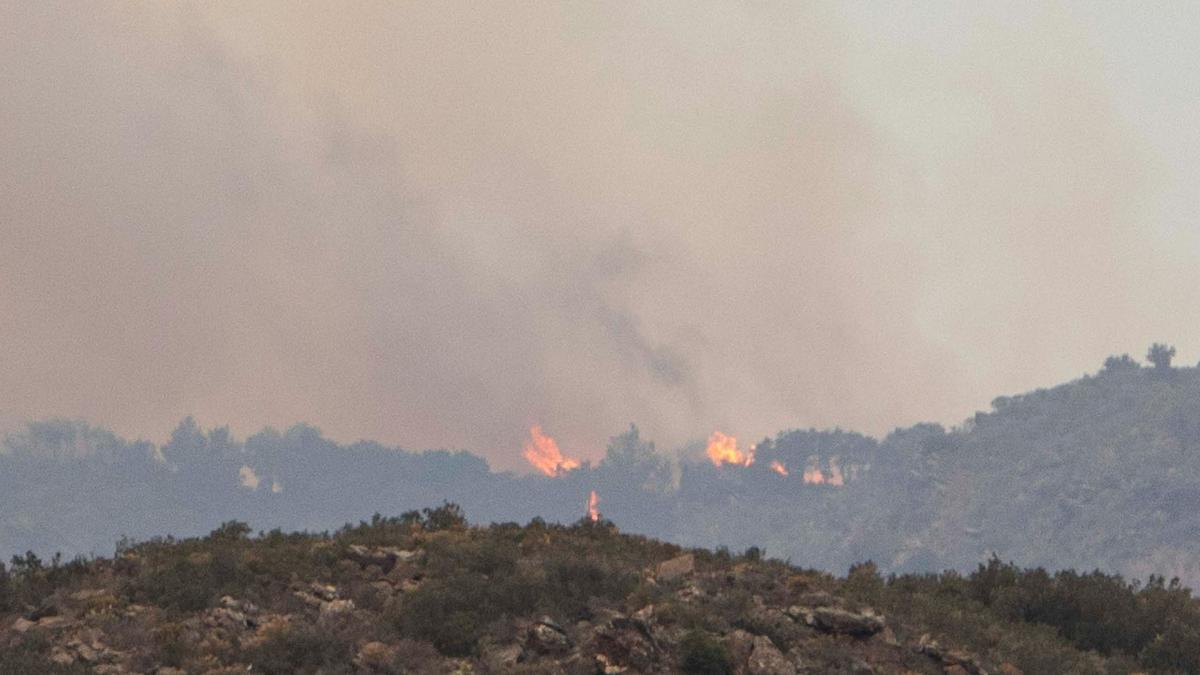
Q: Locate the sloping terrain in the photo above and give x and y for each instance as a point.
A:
(1101, 472)
(426, 593)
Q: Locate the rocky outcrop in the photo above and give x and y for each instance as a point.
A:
(383, 557)
(547, 637)
(766, 659)
(954, 662)
(839, 621)
(676, 567)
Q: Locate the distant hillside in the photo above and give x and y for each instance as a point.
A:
(1102, 472)
(425, 593)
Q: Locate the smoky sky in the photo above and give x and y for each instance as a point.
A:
(435, 224)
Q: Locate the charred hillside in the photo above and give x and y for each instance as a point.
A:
(1100, 472)
(426, 593)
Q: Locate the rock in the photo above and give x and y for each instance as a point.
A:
(741, 646)
(383, 557)
(603, 665)
(308, 598)
(626, 643)
(547, 637)
(376, 657)
(83, 595)
(62, 657)
(968, 664)
(766, 659)
(676, 567)
(816, 599)
(336, 607)
(228, 619)
(325, 592)
(502, 659)
(689, 593)
(22, 625)
(46, 610)
(843, 622)
(244, 606)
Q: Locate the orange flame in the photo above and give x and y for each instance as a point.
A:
(593, 502)
(778, 467)
(834, 476)
(543, 453)
(835, 473)
(723, 449)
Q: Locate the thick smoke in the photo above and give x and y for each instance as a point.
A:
(439, 224)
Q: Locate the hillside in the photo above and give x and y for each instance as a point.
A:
(1100, 472)
(426, 593)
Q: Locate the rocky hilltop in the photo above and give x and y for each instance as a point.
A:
(427, 593)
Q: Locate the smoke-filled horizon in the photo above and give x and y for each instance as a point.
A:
(440, 225)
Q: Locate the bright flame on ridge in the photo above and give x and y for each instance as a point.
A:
(543, 453)
(592, 511)
(778, 467)
(722, 449)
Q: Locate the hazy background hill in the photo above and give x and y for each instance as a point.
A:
(1102, 472)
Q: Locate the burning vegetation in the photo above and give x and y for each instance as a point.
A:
(542, 452)
(593, 513)
(723, 449)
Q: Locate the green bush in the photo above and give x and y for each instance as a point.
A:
(301, 648)
(703, 655)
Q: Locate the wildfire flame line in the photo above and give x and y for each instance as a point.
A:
(722, 449)
(542, 452)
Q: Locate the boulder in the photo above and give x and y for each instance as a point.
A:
(676, 567)
(376, 657)
(625, 643)
(243, 606)
(325, 592)
(816, 599)
(949, 658)
(501, 659)
(336, 607)
(766, 659)
(384, 557)
(741, 646)
(547, 637)
(840, 621)
(46, 610)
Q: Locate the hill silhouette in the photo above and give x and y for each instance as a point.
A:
(1101, 472)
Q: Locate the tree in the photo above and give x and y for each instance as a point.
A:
(1160, 355)
(1118, 363)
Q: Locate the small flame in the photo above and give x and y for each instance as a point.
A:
(778, 467)
(813, 476)
(722, 449)
(835, 474)
(593, 502)
(543, 453)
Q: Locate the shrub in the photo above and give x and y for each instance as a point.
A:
(6, 590)
(448, 516)
(703, 655)
(300, 648)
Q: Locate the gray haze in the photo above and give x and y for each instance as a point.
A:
(438, 223)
